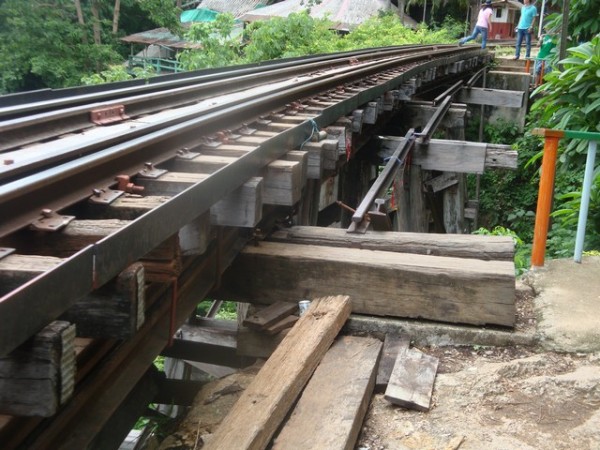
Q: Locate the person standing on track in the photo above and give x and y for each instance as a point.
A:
(483, 25)
(525, 28)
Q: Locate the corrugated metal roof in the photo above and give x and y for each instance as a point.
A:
(160, 36)
(235, 7)
(345, 13)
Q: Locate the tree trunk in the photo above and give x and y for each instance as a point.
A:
(116, 14)
(96, 23)
(474, 6)
(401, 6)
(81, 20)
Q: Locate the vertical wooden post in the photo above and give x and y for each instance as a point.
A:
(544, 204)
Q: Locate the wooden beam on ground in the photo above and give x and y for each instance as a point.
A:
(285, 323)
(39, 376)
(262, 407)
(116, 310)
(491, 97)
(332, 407)
(269, 315)
(383, 283)
(456, 156)
(412, 380)
(393, 345)
(458, 245)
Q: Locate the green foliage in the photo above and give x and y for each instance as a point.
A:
(164, 13)
(570, 99)
(297, 35)
(387, 30)
(219, 49)
(117, 73)
(522, 250)
(508, 197)
(583, 19)
(42, 45)
(228, 310)
(567, 215)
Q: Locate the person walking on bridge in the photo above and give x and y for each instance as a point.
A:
(525, 28)
(483, 25)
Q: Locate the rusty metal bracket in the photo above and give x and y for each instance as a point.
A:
(149, 171)
(109, 114)
(104, 196)
(5, 251)
(51, 221)
(124, 183)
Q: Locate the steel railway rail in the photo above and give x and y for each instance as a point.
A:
(88, 161)
(50, 118)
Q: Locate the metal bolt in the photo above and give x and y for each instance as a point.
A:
(149, 166)
(46, 212)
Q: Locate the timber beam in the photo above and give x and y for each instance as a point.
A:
(456, 156)
(453, 245)
(383, 283)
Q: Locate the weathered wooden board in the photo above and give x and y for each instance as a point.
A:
(283, 324)
(171, 183)
(39, 376)
(241, 208)
(393, 345)
(456, 245)
(262, 407)
(493, 97)
(412, 380)
(456, 156)
(283, 182)
(269, 315)
(380, 283)
(116, 310)
(331, 410)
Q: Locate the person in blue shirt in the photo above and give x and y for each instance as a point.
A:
(525, 28)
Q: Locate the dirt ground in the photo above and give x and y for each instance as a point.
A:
(492, 398)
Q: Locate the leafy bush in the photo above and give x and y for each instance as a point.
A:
(522, 251)
(570, 99)
(219, 47)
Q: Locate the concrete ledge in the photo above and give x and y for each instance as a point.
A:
(431, 333)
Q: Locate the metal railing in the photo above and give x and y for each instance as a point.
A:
(546, 189)
(160, 65)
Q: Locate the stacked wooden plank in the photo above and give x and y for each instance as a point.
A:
(467, 279)
(288, 406)
(273, 319)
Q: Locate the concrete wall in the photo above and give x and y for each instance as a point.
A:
(513, 81)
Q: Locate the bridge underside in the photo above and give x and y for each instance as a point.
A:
(262, 244)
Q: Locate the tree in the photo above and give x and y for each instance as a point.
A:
(44, 44)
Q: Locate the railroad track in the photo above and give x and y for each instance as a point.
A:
(192, 143)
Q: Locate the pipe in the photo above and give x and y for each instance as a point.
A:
(544, 204)
(588, 179)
